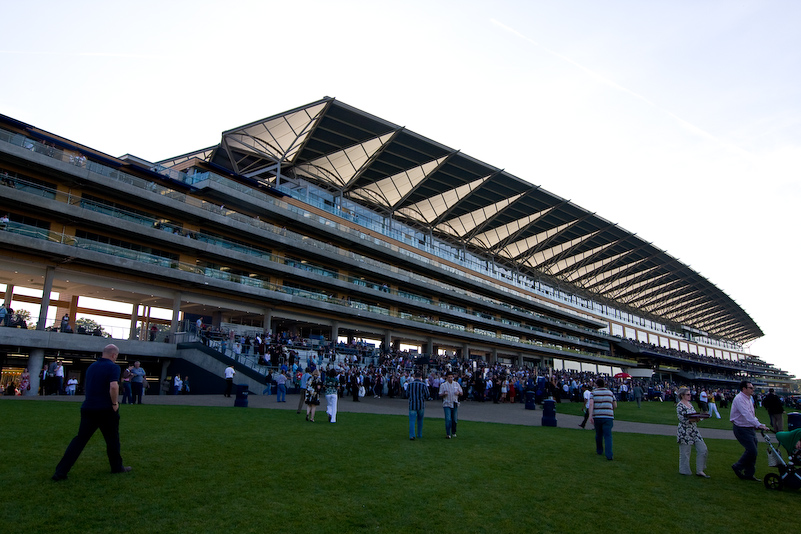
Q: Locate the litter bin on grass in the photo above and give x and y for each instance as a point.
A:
(793, 420)
(531, 397)
(241, 396)
(549, 412)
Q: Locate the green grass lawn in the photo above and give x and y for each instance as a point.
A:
(256, 470)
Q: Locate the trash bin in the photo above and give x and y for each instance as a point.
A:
(530, 400)
(241, 396)
(549, 412)
(793, 420)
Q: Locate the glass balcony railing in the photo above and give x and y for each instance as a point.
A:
(159, 261)
(269, 257)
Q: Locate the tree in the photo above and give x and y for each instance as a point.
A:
(89, 325)
(25, 315)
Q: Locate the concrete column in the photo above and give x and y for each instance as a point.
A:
(176, 317)
(134, 320)
(429, 347)
(50, 275)
(388, 340)
(268, 320)
(465, 351)
(163, 375)
(9, 295)
(73, 311)
(494, 356)
(35, 364)
(334, 331)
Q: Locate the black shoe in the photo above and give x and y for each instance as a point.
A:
(58, 478)
(124, 469)
(752, 477)
(738, 472)
(411, 438)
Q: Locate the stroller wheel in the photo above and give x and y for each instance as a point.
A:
(772, 481)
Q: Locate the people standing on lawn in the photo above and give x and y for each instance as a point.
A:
(703, 401)
(638, 394)
(688, 435)
(773, 404)
(587, 395)
(137, 382)
(100, 410)
(280, 381)
(744, 425)
(602, 415)
(713, 404)
(450, 392)
(72, 385)
(313, 388)
(229, 380)
(127, 395)
(418, 393)
(331, 390)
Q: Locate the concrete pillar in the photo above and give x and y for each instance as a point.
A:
(9, 295)
(176, 316)
(163, 375)
(73, 311)
(429, 347)
(465, 351)
(334, 331)
(216, 319)
(268, 320)
(387, 340)
(50, 275)
(35, 364)
(134, 320)
(494, 356)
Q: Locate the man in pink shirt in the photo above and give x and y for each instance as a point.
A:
(744, 423)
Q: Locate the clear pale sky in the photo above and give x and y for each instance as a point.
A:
(678, 120)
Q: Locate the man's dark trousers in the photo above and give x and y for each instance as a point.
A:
(747, 438)
(108, 421)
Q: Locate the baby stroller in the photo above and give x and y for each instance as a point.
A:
(789, 475)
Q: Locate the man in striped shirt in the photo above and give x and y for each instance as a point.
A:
(602, 415)
(418, 393)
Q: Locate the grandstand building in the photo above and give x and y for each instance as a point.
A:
(331, 224)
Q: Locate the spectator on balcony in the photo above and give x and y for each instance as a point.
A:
(65, 324)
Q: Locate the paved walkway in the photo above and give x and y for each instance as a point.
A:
(487, 412)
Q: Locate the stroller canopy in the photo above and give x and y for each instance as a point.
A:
(789, 439)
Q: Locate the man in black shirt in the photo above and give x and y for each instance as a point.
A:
(100, 410)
